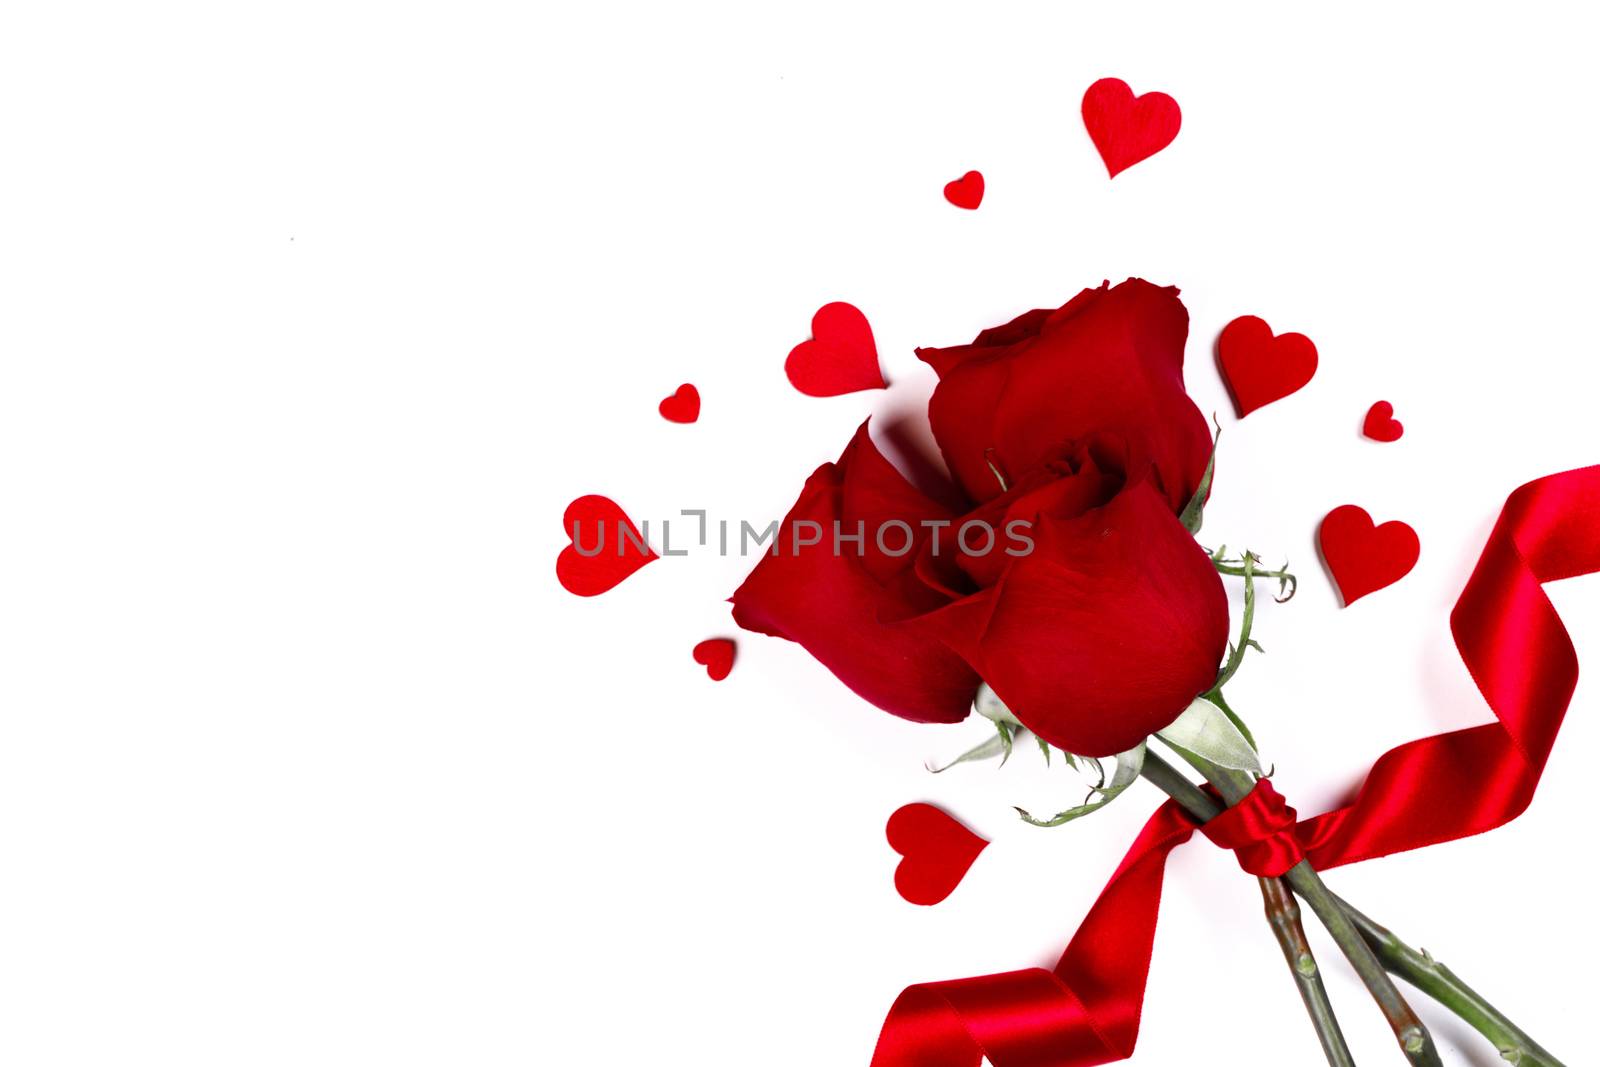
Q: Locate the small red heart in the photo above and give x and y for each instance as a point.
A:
(1364, 558)
(1127, 128)
(966, 191)
(840, 358)
(1261, 368)
(1381, 424)
(716, 654)
(938, 852)
(612, 547)
(683, 405)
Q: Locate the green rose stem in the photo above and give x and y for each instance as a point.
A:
(1415, 1041)
(1440, 983)
(1283, 915)
(1417, 968)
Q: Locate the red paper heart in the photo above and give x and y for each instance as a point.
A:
(716, 653)
(612, 547)
(1261, 368)
(1127, 128)
(938, 852)
(1364, 558)
(840, 358)
(966, 191)
(1381, 425)
(683, 405)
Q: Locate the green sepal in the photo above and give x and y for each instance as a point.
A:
(1193, 516)
(1129, 764)
(1206, 730)
(1215, 696)
(998, 745)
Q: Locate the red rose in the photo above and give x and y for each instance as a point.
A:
(1108, 361)
(1079, 597)
(848, 608)
(1107, 630)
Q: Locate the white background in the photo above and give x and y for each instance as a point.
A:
(314, 316)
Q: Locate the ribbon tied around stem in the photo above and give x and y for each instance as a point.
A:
(1085, 1011)
(1259, 831)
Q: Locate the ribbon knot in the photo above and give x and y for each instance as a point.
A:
(1259, 830)
(1085, 1011)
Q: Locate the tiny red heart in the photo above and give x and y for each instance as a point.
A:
(938, 852)
(606, 547)
(683, 405)
(841, 356)
(1127, 128)
(1261, 368)
(966, 191)
(1381, 425)
(1364, 558)
(716, 654)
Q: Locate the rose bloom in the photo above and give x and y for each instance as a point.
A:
(1072, 425)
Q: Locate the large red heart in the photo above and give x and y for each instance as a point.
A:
(1127, 128)
(1364, 558)
(1380, 424)
(716, 655)
(840, 358)
(966, 191)
(681, 406)
(938, 852)
(612, 547)
(1261, 368)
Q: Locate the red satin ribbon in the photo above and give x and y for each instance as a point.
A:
(1260, 830)
(1440, 788)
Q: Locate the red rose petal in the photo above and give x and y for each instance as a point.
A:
(845, 608)
(1110, 360)
(1260, 368)
(716, 654)
(1380, 424)
(840, 358)
(1365, 558)
(612, 547)
(683, 405)
(1065, 636)
(966, 191)
(938, 852)
(1127, 128)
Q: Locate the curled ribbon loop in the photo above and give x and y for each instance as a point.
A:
(1086, 1010)
(1259, 830)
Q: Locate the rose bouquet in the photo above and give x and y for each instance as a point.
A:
(1058, 588)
